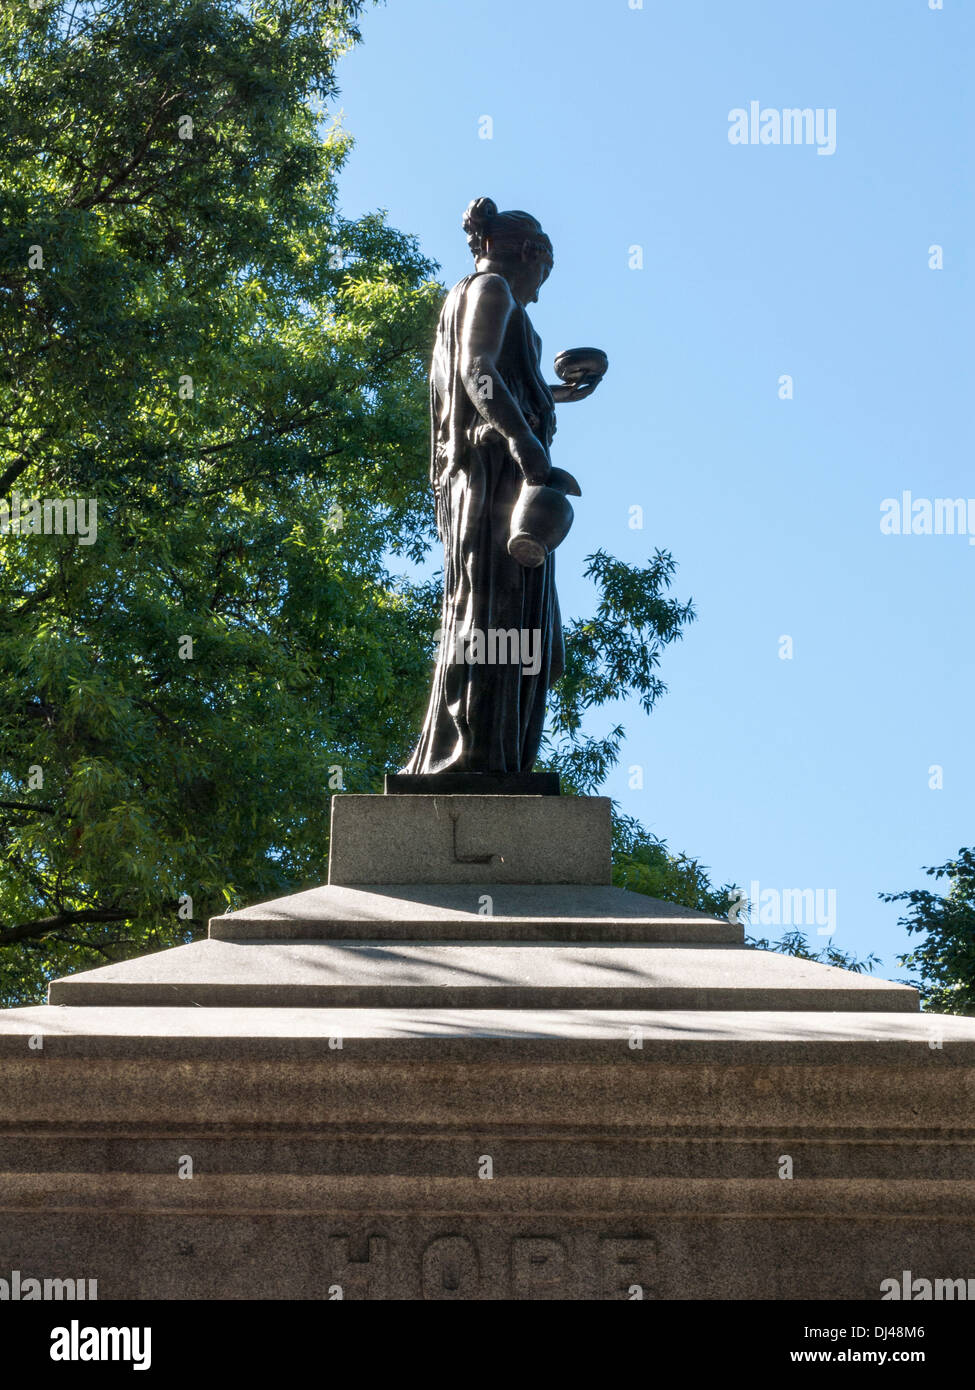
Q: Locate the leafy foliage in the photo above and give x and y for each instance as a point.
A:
(945, 959)
(236, 374)
(612, 655)
(642, 863)
(795, 943)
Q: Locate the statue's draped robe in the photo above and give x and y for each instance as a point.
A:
(486, 718)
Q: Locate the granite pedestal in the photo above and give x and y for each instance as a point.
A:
(449, 1074)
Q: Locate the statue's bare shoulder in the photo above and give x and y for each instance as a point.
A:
(490, 291)
(488, 305)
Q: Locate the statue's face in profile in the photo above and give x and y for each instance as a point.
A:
(542, 269)
(526, 278)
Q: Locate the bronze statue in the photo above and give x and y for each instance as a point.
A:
(501, 507)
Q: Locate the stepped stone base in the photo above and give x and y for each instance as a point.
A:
(613, 1165)
(511, 975)
(472, 912)
(400, 1090)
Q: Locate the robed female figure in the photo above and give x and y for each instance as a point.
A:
(492, 420)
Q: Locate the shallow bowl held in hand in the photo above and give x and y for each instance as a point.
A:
(578, 366)
(541, 518)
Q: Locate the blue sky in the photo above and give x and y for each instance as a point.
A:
(611, 125)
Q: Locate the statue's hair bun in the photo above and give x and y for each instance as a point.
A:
(511, 235)
(479, 214)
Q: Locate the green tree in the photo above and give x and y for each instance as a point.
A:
(194, 337)
(945, 958)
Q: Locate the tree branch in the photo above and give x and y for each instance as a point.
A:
(42, 926)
